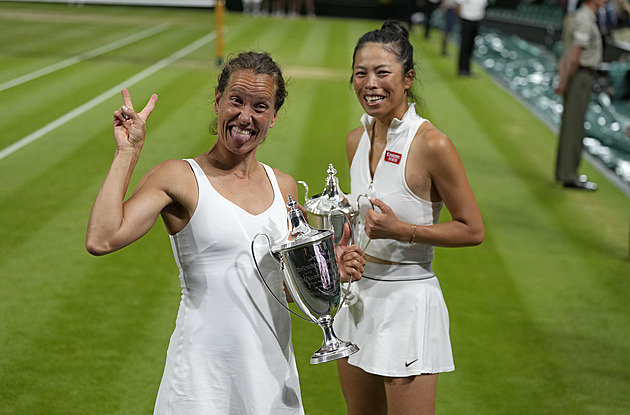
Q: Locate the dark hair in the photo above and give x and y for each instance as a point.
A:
(394, 37)
(260, 64)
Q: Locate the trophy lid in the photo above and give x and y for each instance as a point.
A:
(332, 198)
(301, 232)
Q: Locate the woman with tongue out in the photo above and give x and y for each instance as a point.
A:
(230, 352)
(410, 169)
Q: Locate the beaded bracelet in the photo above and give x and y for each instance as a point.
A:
(413, 235)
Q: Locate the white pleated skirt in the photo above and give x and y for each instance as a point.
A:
(400, 324)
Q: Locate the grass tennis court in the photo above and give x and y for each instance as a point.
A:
(540, 312)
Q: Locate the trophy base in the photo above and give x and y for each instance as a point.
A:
(327, 353)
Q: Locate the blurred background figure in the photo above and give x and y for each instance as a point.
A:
(429, 7)
(252, 7)
(279, 8)
(621, 8)
(450, 15)
(607, 21)
(582, 54)
(470, 13)
(295, 8)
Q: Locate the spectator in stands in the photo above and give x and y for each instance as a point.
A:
(621, 9)
(471, 13)
(578, 64)
(279, 8)
(252, 7)
(295, 8)
(264, 7)
(448, 7)
(429, 7)
(410, 170)
(607, 21)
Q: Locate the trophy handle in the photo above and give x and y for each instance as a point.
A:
(265, 281)
(303, 183)
(359, 209)
(347, 220)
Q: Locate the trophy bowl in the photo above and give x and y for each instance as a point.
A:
(312, 278)
(331, 209)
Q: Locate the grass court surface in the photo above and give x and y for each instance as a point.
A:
(540, 312)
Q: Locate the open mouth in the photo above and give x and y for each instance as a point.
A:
(374, 99)
(241, 135)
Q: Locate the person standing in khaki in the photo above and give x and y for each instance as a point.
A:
(581, 57)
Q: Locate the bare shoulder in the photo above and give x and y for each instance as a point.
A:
(283, 178)
(352, 142)
(287, 183)
(431, 144)
(172, 166)
(355, 135)
(174, 177)
(430, 138)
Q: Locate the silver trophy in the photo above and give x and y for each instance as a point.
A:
(307, 259)
(331, 209)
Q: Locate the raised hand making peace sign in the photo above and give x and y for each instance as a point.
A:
(130, 126)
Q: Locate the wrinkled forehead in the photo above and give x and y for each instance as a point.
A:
(246, 78)
(246, 81)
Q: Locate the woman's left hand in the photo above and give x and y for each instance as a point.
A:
(350, 259)
(383, 224)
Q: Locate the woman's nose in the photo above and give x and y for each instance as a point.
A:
(371, 81)
(245, 115)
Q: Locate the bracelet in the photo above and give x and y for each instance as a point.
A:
(413, 235)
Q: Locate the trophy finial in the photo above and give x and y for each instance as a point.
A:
(332, 183)
(291, 203)
(299, 226)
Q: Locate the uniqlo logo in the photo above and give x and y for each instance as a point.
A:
(392, 157)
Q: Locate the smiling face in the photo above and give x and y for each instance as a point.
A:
(245, 110)
(379, 82)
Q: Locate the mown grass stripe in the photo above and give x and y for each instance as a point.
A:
(540, 305)
(84, 56)
(105, 95)
(554, 286)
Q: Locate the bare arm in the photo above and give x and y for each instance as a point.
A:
(114, 224)
(450, 181)
(444, 175)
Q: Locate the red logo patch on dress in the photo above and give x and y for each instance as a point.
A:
(392, 157)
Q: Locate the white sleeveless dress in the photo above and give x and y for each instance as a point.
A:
(231, 350)
(399, 320)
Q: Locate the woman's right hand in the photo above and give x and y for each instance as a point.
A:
(130, 126)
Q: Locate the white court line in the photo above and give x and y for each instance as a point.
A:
(106, 95)
(83, 56)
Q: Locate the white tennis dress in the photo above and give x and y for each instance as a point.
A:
(231, 350)
(400, 319)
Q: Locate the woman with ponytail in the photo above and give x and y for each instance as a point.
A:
(409, 169)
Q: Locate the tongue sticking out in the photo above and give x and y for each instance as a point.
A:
(239, 136)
